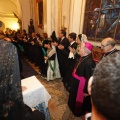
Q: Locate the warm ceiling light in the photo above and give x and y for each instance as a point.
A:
(15, 26)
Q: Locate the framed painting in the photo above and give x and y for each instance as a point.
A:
(102, 19)
(40, 14)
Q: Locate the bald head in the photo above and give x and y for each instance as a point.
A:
(107, 44)
(110, 41)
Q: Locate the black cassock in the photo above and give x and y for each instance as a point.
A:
(79, 81)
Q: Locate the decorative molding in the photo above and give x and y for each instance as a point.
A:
(7, 15)
(13, 2)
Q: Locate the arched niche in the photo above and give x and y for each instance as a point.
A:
(10, 11)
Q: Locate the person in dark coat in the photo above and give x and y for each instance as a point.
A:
(108, 46)
(62, 48)
(71, 60)
(79, 100)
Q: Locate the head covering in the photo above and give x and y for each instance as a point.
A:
(88, 46)
(46, 42)
(84, 38)
(53, 37)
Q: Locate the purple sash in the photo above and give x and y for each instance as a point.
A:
(80, 93)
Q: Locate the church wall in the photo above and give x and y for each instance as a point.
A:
(7, 8)
(26, 14)
(22, 10)
(75, 16)
(57, 14)
(74, 23)
(53, 14)
(67, 14)
(9, 23)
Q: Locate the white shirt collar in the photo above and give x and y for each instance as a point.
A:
(62, 38)
(72, 42)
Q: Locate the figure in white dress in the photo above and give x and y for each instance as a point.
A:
(51, 58)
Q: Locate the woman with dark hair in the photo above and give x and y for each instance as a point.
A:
(54, 43)
(80, 39)
(53, 37)
(50, 60)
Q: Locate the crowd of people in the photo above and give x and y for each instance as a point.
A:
(69, 58)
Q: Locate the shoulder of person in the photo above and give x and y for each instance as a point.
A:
(88, 116)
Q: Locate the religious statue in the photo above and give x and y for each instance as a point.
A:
(31, 27)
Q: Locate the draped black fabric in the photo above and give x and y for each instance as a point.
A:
(10, 85)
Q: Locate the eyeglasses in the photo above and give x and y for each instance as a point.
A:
(102, 46)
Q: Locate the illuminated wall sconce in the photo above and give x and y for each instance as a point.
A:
(15, 26)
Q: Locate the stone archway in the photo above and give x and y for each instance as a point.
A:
(10, 11)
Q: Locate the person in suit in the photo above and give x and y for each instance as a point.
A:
(71, 60)
(62, 48)
(80, 39)
(34, 39)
